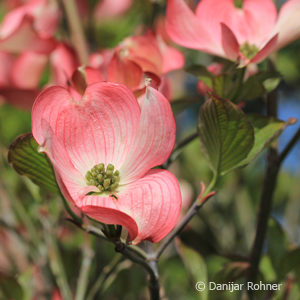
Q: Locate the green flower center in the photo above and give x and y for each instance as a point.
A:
(238, 3)
(106, 180)
(248, 50)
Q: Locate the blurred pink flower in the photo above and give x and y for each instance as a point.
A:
(30, 27)
(107, 9)
(246, 34)
(139, 56)
(103, 147)
(21, 76)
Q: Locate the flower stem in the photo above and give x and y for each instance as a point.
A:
(266, 198)
(149, 265)
(190, 214)
(87, 256)
(76, 28)
(56, 263)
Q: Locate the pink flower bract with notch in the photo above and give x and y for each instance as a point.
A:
(107, 130)
(244, 31)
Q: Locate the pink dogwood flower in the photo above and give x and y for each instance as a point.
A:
(143, 56)
(21, 76)
(30, 27)
(243, 31)
(103, 147)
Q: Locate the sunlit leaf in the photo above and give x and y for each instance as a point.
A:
(226, 135)
(26, 160)
(266, 130)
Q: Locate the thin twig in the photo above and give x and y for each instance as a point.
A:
(147, 265)
(76, 28)
(266, 199)
(194, 209)
(289, 146)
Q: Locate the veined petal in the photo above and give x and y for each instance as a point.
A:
(288, 23)
(186, 29)
(27, 70)
(100, 128)
(25, 38)
(148, 207)
(155, 137)
(125, 71)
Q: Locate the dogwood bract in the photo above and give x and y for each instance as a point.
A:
(103, 146)
(239, 30)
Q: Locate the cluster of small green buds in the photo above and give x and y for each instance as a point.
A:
(106, 180)
(249, 50)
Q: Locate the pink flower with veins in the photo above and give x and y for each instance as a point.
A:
(103, 148)
(239, 30)
(30, 27)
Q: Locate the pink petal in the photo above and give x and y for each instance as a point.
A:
(25, 38)
(229, 42)
(93, 75)
(145, 52)
(173, 59)
(27, 70)
(125, 71)
(63, 61)
(47, 18)
(266, 50)
(148, 207)
(101, 127)
(288, 23)
(252, 23)
(155, 137)
(111, 8)
(6, 62)
(186, 29)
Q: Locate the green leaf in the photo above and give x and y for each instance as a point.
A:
(258, 85)
(195, 266)
(277, 242)
(202, 73)
(266, 130)
(10, 288)
(226, 135)
(26, 160)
